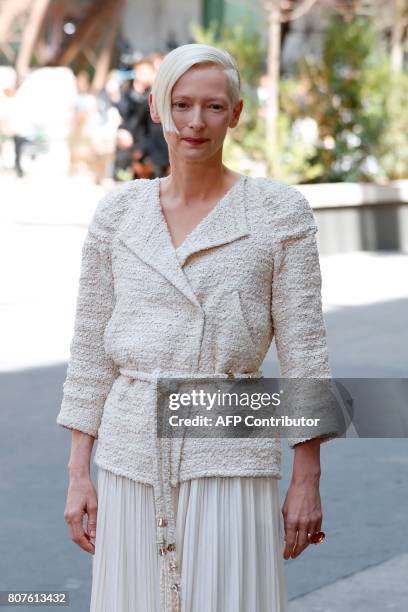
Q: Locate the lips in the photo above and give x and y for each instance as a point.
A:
(195, 140)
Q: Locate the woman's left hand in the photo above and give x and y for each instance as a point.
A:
(302, 514)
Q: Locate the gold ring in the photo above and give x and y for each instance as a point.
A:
(317, 537)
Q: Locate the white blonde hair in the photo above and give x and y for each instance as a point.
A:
(176, 63)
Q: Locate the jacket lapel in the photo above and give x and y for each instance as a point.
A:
(146, 234)
(224, 224)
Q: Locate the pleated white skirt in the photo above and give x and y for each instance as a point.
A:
(229, 537)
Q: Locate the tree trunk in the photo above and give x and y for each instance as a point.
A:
(56, 20)
(10, 10)
(273, 8)
(30, 36)
(105, 55)
(397, 35)
(85, 30)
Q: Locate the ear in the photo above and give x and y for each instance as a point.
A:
(155, 117)
(236, 114)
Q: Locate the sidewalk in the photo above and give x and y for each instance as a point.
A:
(375, 589)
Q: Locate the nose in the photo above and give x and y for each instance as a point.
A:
(196, 122)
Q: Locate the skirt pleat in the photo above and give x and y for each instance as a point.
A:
(229, 538)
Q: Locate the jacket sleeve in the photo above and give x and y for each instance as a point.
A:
(90, 372)
(298, 325)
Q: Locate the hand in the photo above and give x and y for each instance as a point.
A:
(81, 499)
(302, 514)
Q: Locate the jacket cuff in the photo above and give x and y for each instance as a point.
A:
(323, 438)
(72, 422)
(79, 418)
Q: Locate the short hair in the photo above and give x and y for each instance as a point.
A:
(176, 63)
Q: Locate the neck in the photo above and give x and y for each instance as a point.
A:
(191, 183)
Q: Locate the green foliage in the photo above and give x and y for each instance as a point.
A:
(293, 153)
(347, 93)
(241, 41)
(393, 146)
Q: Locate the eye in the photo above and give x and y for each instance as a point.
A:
(183, 105)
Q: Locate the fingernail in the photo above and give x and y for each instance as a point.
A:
(93, 534)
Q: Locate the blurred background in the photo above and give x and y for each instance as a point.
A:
(325, 89)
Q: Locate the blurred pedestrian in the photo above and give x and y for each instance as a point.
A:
(94, 127)
(15, 124)
(141, 147)
(104, 133)
(84, 113)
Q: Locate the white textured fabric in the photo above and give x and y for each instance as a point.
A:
(247, 273)
(229, 537)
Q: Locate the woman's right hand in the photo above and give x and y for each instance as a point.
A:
(81, 499)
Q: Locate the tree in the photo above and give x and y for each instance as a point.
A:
(398, 33)
(42, 38)
(345, 93)
(278, 12)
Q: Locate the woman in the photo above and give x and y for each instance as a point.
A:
(191, 275)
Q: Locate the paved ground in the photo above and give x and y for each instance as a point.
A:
(361, 566)
(375, 589)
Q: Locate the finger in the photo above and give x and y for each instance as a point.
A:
(85, 543)
(91, 520)
(290, 539)
(301, 542)
(82, 539)
(90, 546)
(317, 525)
(78, 535)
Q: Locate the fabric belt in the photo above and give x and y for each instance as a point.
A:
(170, 577)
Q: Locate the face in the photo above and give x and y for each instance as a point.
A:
(202, 112)
(145, 73)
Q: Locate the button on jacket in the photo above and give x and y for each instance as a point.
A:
(247, 273)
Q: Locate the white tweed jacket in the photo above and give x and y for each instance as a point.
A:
(247, 273)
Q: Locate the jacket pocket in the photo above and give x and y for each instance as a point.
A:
(242, 321)
(236, 348)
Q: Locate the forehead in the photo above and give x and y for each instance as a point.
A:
(209, 77)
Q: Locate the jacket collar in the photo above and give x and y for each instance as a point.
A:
(148, 236)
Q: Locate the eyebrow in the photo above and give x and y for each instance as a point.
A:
(207, 99)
